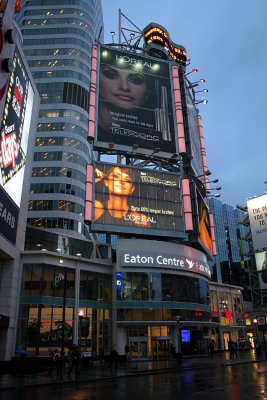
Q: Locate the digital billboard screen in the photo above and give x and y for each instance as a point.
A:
(194, 133)
(261, 264)
(204, 223)
(257, 211)
(135, 105)
(15, 128)
(128, 199)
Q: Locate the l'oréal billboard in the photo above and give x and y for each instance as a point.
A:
(204, 223)
(15, 128)
(261, 264)
(257, 211)
(134, 200)
(135, 104)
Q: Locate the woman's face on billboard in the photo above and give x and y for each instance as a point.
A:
(124, 88)
(119, 182)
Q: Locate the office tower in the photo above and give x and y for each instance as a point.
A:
(231, 262)
(57, 40)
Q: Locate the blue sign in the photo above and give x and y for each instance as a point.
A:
(185, 335)
(118, 280)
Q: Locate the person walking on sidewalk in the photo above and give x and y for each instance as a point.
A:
(55, 363)
(113, 357)
(75, 361)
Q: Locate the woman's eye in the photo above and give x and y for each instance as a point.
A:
(110, 73)
(136, 79)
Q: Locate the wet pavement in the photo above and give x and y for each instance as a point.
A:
(102, 372)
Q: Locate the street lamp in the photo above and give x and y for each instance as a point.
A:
(81, 315)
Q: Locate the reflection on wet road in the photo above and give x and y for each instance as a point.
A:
(236, 382)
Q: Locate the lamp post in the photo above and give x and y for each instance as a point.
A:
(81, 315)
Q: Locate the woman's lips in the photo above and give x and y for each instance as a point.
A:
(124, 97)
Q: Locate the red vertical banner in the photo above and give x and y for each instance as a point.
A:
(92, 103)
(178, 110)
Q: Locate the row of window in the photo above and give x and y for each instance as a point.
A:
(61, 11)
(60, 156)
(65, 188)
(55, 205)
(59, 62)
(76, 95)
(61, 126)
(54, 113)
(62, 141)
(43, 280)
(57, 41)
(58, 52)
(40, 172)
(59, 31)
(84, 4)
(60, 74)
(162, 287)
(55, 223)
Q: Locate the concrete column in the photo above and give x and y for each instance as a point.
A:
(76, 305)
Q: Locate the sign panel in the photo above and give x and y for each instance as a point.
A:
(163, 260)
(130, 199)
(257, 211)
(204, 223)
(194, 134)
(135, 102)
(15, 129)
(261, 265)
(8, 217)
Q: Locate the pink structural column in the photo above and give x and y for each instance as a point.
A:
(187, 205)
(203, 152)
(89, 193)
(178, 110)
(214, 250)
(92, 102)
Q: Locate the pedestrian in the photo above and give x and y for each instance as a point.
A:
(101, 355)
(235, 355)
(127, 352)
(211, 348)
(75, 362)
(113, 357)
(55, 363)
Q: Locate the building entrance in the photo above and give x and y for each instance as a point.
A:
(138, 348)
(160, 348)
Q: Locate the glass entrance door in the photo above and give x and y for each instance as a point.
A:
(160, 348)
(139, 348)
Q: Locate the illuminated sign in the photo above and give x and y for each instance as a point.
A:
(15, 129)
(257, 211)
(135, 106)
(8, 217)
(261, 265)
(204, 223)
(157, 34)
(164, 260)
(137, 200)
(118, 280)
(185, 335)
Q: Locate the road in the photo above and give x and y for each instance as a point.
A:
(236, 382)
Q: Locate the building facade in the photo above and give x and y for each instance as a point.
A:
(57, 41)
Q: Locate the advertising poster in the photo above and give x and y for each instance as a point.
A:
(128, 198)
(15, 127)
(257, 211)
(194, 134)
(135, 104)
(261, 264)
(204, 223)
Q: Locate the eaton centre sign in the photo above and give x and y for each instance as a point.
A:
(159, 260)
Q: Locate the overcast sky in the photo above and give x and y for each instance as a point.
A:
(226, 42)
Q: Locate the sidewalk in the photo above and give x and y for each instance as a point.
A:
(104, 371)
